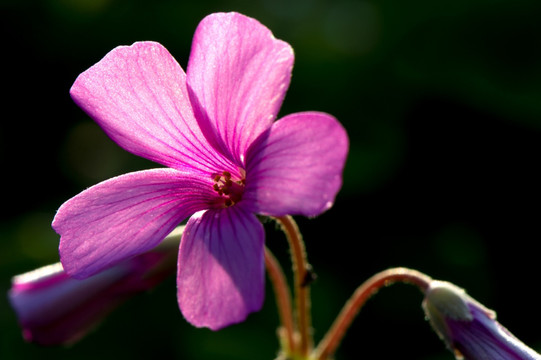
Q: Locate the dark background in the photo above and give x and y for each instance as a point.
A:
(442, 103)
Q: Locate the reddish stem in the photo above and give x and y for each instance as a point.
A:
(332, 339)
(302, 290)
(283, 298)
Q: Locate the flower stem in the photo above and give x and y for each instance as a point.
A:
(301, 270)
(331, 340)
(283, 299)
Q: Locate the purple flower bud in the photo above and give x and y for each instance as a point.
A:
(469, 329)
(54, 309)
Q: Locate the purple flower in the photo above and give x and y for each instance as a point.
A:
(54, 309)
(468, 328)
(228, 159)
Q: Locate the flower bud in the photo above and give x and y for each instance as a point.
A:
(54, 309)
(469, 329)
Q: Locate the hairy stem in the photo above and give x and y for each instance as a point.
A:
(301, 270)
(283, 299)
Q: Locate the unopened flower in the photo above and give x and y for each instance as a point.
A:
(468, 328)
(54, 309)
(228, 159)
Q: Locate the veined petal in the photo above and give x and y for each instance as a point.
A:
(138, 95)
(125, 216)
(238, 74)
(221, 267)
(296, 167)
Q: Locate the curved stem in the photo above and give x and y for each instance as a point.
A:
(283, 298)
(302, 274)
(330, 342)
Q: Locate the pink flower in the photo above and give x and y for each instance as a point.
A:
(53, 308)
(227, 160)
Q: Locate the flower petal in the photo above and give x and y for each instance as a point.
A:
(238, 74)
(138, 95)
(125, 216)
(296, 167)
(221, 267)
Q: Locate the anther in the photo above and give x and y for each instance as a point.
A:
(230, 190)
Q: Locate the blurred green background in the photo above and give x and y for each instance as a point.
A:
(442, 103)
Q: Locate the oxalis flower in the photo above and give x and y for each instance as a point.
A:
(228, 160)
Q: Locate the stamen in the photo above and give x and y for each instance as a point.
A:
(230, 190)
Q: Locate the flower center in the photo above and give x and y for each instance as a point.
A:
(229, 190)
